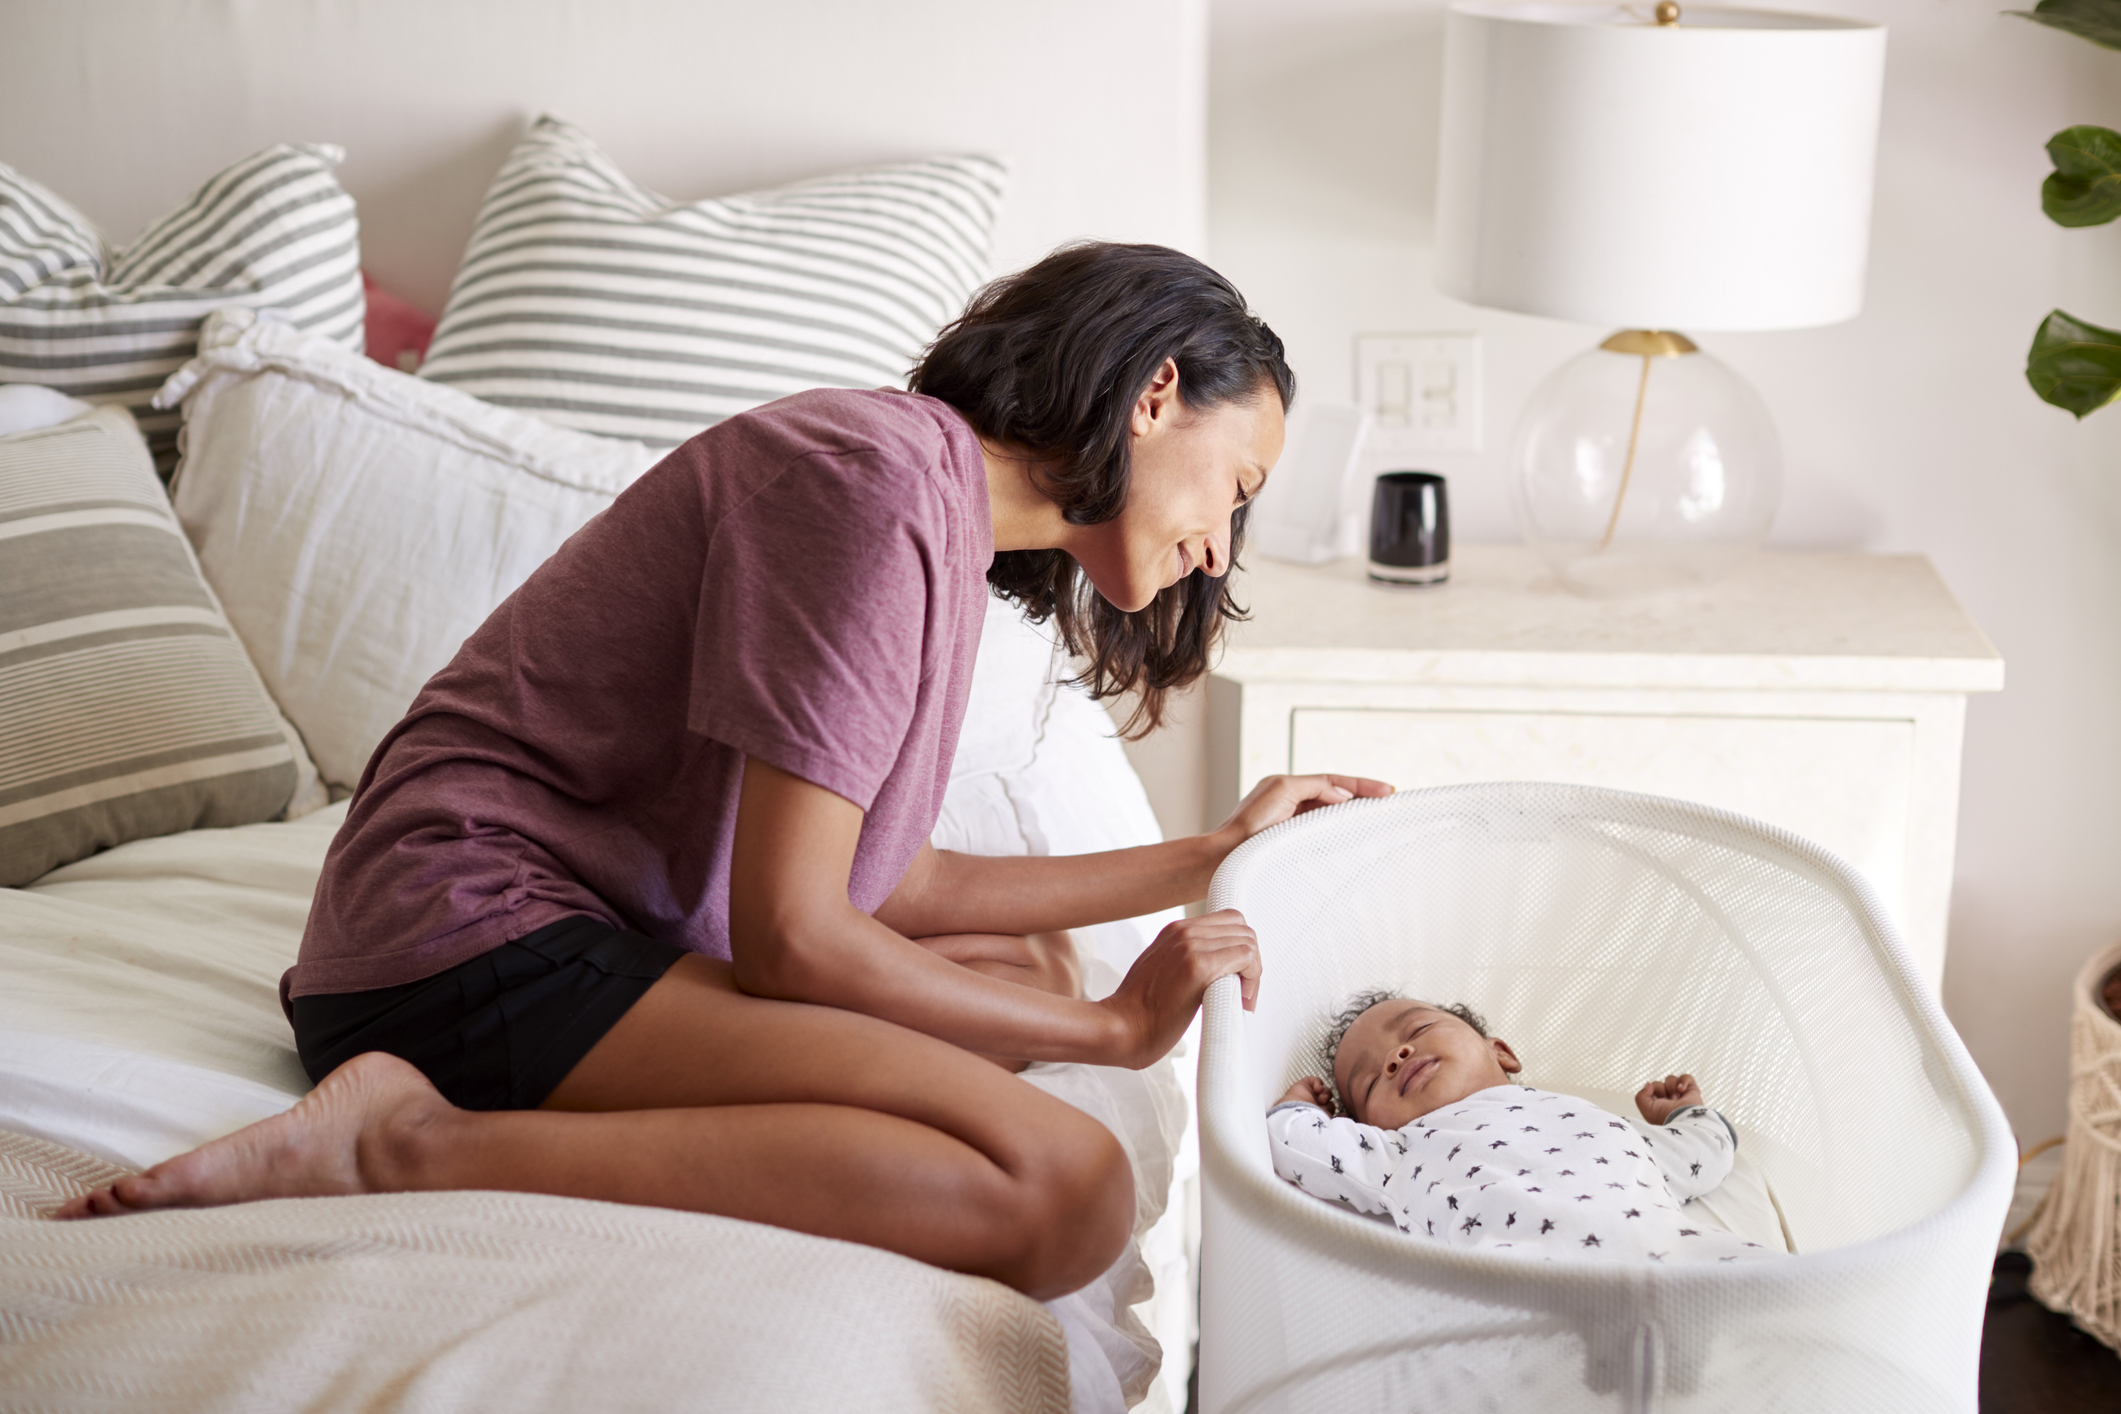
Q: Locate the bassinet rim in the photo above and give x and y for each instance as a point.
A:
(1502, 1277)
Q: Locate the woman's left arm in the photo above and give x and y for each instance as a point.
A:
(947, 892)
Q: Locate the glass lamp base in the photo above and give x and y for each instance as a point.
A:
(1644, 466)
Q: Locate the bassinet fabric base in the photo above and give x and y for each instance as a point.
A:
(1609, 937)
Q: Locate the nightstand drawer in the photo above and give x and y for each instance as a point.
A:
(1845, 783)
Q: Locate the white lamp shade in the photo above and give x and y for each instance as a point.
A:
(1714, 174)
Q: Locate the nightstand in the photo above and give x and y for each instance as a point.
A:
(1822, 692)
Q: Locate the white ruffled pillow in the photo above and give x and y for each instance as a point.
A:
(358, 523)
(1039, 770)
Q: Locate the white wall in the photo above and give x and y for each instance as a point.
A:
(125, 106)
(1907, 429)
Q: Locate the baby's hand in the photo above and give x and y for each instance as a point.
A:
(1660, 1099)
(1308, 1091)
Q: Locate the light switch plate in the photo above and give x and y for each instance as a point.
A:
(1421, 391)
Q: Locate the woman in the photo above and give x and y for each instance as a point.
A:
(637, 902)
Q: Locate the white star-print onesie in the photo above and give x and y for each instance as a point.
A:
(1514, 1167)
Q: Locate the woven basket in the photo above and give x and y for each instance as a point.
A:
(2076, 1239)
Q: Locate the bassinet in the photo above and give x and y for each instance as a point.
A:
(1610, 937)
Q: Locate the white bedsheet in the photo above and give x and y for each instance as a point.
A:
(139, 1016)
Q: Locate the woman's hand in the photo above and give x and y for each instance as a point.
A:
(1164, 987)
(1661, 1099)
(1277, 798)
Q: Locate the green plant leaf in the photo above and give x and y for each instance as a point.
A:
(2074, 365)
(2085, 188)
(2096, 20)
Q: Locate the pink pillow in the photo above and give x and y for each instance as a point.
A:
(398, 333)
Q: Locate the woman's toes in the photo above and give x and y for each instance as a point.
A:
(136, 1192)
(72, 1208)
(96, 1203)
(108, 1202)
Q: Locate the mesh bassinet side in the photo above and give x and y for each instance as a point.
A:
(1609, 937)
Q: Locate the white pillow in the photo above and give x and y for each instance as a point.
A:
(25, 407)
(589, 300)
(358, 523)
(109, 325)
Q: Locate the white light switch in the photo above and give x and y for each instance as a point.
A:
(1422, 391)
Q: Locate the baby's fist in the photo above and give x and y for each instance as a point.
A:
(1661, 1099)
(1308, 1091)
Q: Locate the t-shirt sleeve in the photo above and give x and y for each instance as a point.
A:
(814, 615)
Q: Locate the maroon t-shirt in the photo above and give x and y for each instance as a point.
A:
(804, 583)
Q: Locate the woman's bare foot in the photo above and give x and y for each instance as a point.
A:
(337, 1139)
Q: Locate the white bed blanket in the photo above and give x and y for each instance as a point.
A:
(450, 1302)
(139, 1016)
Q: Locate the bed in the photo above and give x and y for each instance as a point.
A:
(350, 521)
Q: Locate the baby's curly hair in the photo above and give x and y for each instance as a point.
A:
(1361, 1002)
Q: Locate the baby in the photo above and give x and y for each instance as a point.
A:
(1440, 1140)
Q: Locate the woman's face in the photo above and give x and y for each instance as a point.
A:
(1191, 470)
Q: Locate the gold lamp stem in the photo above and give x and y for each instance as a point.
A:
(1627, 468)
(1651, 344)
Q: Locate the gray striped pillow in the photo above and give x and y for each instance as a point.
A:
(592, 302)
(131, 709)
(110, 325)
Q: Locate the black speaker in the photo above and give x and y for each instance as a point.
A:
(1410, 529)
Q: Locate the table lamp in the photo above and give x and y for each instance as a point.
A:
(1654, 169)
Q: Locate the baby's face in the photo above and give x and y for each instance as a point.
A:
(1402, 1059)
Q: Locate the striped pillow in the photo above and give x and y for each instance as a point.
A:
(131, 709)
(592, 302)
(109, 325)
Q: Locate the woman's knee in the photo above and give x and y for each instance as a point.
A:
(1073, 1211)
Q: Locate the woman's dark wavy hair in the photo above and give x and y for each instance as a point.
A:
(1053, 358)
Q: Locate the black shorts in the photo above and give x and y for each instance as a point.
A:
(501, 1031)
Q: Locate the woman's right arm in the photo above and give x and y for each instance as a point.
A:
(794, 934)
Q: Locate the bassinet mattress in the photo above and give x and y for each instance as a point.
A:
(139, 1016)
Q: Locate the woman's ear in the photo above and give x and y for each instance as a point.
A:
(1157, 401)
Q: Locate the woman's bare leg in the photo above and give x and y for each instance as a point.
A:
(703, 1098)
